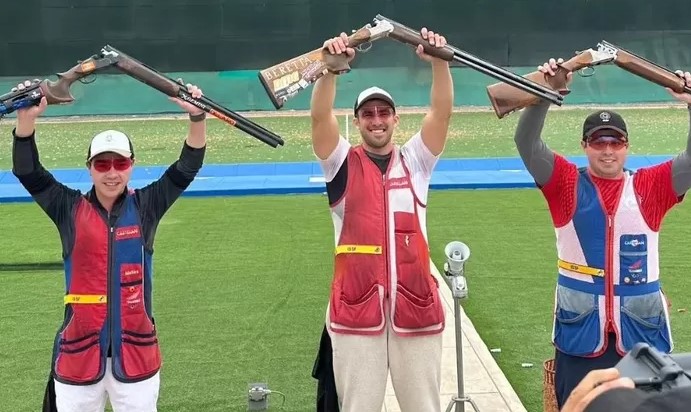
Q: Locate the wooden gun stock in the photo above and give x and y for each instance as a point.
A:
(650, 71)
(284, 80)
(55, 92)
(58, 92)
(506, 98)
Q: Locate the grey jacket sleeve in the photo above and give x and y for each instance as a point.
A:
(681, 166)
(537, 157)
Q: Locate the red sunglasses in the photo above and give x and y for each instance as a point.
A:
(120, 164)
(601, 141)
(370, 112)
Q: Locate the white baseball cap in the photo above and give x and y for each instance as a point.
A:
(373, 93)
(110, 141)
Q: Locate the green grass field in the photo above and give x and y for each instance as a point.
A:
(242, 283)
(471, 134)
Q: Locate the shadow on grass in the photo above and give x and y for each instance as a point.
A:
(30, 267)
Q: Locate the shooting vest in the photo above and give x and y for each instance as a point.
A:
(382, 263)
(608, 277)
(108, 301)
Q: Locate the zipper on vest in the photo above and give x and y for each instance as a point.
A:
(109, 276)
(387, 283)
(609, 277)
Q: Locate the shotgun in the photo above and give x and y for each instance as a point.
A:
(168, 86)
(507, 99)
(285, 80)
(55, 92)
(450, 53)
(58, 92)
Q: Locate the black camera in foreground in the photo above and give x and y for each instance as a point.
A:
(655, 371)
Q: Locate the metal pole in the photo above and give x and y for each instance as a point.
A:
(460, 407)
(460, 399)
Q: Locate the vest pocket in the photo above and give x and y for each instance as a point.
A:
(643, 320)
(135, 319)
(141, 355)
(412, 312)
(356, 290)
(79, 350)
(413, 273)
(412, 267)
(365, 312)
(577, 329)
(417, 300)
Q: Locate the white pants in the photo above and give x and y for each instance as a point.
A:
(362, 364)
(124, 397)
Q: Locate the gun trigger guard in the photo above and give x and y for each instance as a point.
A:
(582, 72)
(364, 47)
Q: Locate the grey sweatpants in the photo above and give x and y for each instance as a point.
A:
(362, 363)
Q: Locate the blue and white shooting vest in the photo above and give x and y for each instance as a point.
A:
(608, 277)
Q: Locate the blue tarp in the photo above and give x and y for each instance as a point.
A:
(306, 177)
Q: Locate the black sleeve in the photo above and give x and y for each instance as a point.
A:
(156, 198)
(56, 199)
(537, 157)
(337, 186)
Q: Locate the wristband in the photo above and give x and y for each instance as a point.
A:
(194, 118)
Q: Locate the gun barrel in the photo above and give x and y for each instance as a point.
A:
(507, 76)
(449, 53)
(648, 69)
(244, 124)
(155, 79)
(232, 118)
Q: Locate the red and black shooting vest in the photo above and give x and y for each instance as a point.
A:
(108, 300)
(382, 263)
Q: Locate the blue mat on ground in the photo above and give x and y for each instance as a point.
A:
(306, 177)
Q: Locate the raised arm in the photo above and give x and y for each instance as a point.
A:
(157, 197)
(435, 125)
(325, 132)
(53, 197)
(681, 165)
(536, 155)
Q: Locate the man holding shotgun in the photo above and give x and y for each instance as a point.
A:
(107, 346)
(385, 313)
(607, 221)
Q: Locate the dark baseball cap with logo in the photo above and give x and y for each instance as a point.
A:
(604, 120)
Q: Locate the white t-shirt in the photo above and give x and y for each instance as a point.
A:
(419, 160)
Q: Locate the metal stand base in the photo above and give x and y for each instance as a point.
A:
(458, 402)
(460, 407)
(459, 291)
